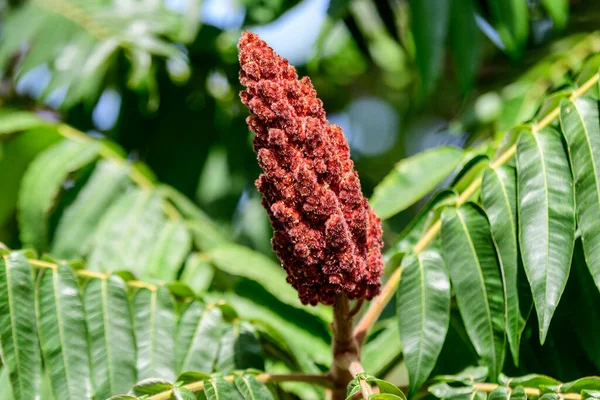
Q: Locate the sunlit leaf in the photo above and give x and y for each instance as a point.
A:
(18, 331)
(154, 325)
(112, 341)
(63, 334)
(412, 178)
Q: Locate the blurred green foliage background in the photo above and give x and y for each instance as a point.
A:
(161, 80)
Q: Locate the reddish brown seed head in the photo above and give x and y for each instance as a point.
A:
(325, 233)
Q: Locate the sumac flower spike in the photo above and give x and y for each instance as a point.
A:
(325, 233)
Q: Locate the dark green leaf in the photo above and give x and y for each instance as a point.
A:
(63, 334)
(240, 348)
(112, 341)
(546, 218)
(465, 42)
(429, 28)
(499, 199)
(154, 326)
(18, 332)
(42, 183)
(470, 254)
(512, 22)
(423, 313)
(412, 178)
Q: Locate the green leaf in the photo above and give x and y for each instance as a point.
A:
(431, 212)
(580, 124)
(469, 253)
(530, 380)
(589, 383)
(500, 393)
(467, 376)
(128, 232)
(219, 389)
(512, 22)
(465, 42)
(242, 261)
(63, 333)
(151, 386)
(198, 338)
(17, 121)
(546, 219)
(42, 183)
(443, 390)
(170, 249)
(518, 393)
(154, 325)
(112, 341)
(423, 313)
(197, 272)
(207, 234)
(337, 8)
(183, 394)
(18, 332)
(558, 10)
(250, 388)
(412, 178)
(17, 154)
(240, 348)
(376, 356)
(79, 223)
(429, 26)
(499, 199)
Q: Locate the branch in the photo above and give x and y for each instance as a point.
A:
(377, 306)
(321, 380)
(356, 369)
(91, 274)
(530, 392)
(345, 348)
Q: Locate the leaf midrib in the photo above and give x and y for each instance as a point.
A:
(60, 328)
(547, 197)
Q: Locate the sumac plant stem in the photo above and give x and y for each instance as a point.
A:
(346, 353)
